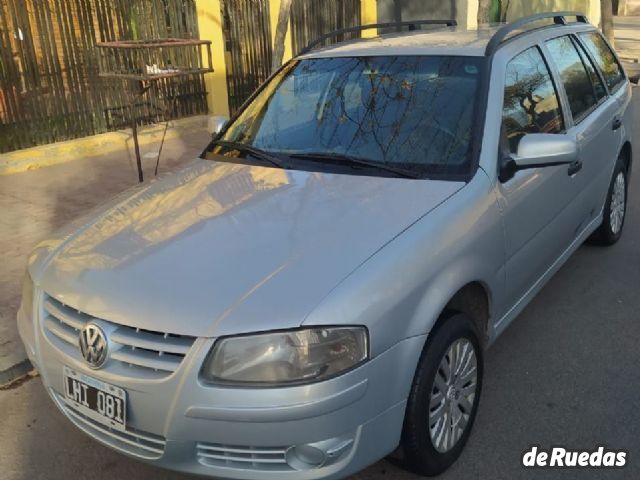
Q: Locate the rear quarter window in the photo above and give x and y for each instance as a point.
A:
(574, 76)
(605, 58)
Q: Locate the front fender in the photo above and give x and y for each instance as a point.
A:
(401, 291)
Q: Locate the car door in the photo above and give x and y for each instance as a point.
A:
(615, 80)
(593, 125)
(539, 204)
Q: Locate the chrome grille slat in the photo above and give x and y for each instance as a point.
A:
(111, 434)
(142, 358)
(242, 459)
(66, 315)
(144, 445)
(160, 442)
(61, 330)
(254, 458)
(150, 341)
(247, 451)
(139, 353)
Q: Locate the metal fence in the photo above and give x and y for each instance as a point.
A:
(310, 19)
(247, 36)
(49, 84)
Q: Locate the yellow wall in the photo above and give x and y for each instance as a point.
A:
(521, 8)
(210, 27)
(467, 13)
(368, 15)
(274, 9)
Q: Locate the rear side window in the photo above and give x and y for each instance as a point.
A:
(574, 76)
(530, 99)
(605, 59)
(598, 87)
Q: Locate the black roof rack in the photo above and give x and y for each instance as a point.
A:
(559, 18)
(413, 25)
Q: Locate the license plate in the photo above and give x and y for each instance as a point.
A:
(96, 399)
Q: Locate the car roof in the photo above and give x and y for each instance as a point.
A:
(440, 41)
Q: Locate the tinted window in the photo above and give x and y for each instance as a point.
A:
(605, 58)
(530, 99)
(574, 76)
(598, 87)
(413, 111)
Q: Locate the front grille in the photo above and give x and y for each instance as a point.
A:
(134, 442)
(252, 458)
(142, 352)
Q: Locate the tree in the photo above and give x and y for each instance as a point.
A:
(503, 10)
(484, 11)
(606, 9)
(281, 33)
(522, 93)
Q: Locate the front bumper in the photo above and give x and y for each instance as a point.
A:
(178, 422)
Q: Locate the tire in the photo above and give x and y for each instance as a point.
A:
(615, 209)
(428, 453)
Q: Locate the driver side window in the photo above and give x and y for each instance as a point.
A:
(530, 99)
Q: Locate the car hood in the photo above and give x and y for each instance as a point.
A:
(221, 248)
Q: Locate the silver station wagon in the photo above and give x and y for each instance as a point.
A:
(318, 288)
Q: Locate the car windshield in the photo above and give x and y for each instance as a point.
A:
(410, 112)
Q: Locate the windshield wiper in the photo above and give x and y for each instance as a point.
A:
(339, 159)
(253, 151)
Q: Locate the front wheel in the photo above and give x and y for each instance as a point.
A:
(615, 208)
(444, 398)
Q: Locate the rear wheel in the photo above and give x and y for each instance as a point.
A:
(444, 398)
(615, 209)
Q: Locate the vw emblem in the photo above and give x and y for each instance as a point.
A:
(93, 345)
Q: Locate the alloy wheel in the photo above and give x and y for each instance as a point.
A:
(453, 395)
(618, 199)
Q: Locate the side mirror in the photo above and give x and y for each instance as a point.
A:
(215, 124)
(538, 150)
(635, 79)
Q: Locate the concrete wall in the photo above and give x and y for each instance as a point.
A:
(398, 10)
(522, 8)
(464, 11)
(629, 7)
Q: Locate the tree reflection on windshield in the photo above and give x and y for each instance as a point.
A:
(413, 111)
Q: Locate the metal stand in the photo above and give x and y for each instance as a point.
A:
(141, 90)
(146, 61)
(136, 144)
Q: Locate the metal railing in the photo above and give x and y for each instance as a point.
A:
(411, 25)
(559, 18)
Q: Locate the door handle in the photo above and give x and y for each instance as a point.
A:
(617, 123)
(574, 167)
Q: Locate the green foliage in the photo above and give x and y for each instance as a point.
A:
(495, 11)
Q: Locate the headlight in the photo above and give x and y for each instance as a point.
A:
(282, 358)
